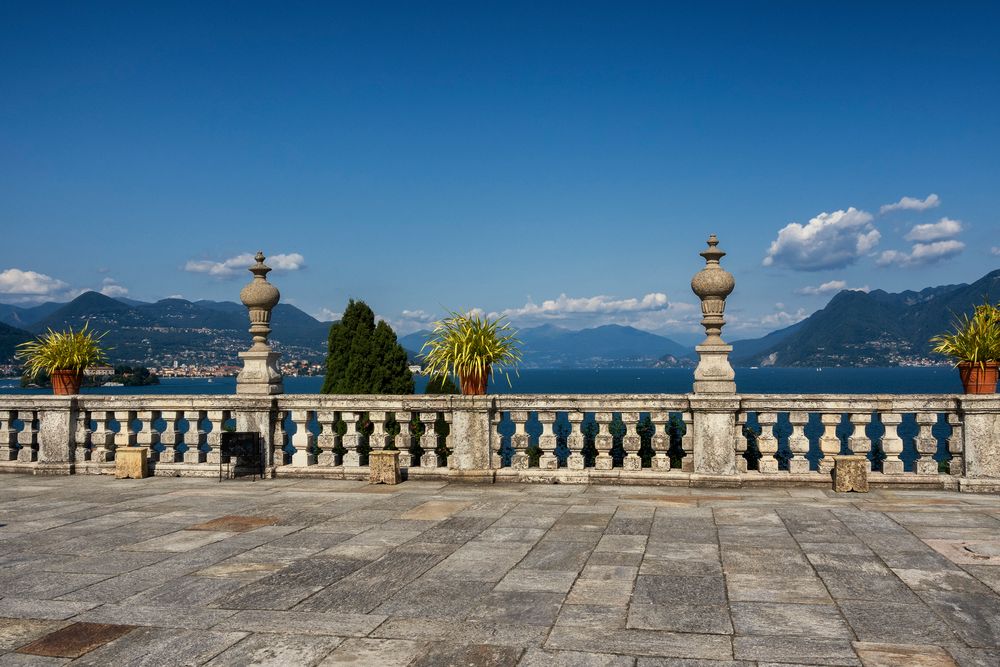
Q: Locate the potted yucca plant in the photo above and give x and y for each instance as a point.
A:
(471, 348)
(62, 355)
(975, 346)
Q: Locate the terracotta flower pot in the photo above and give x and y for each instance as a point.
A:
(65, 383)
(475, 385)
(978, 379)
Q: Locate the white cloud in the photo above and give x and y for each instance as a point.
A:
(238, 265)
(912, 204)
(921, 254)
(828, 241)
(995, 250)
(830, 287)
(942, 229)
(29, 283)
(327, 315)
(564, 306)
(110, 287)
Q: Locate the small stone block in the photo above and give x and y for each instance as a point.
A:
(384, 467)
(131, 462)
(850, 473)
(75, 640)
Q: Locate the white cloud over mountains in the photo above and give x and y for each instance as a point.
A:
(29, 283)
(110, 287)
(563, 306)
(912, 204)
(830, 287)
(828, 241)
(933, 244)
(942, 229)
(238, 265)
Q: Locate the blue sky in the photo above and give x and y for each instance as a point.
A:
(559, 166)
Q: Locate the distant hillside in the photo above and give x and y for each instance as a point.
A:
(873, 329)
(10, 338)
(609, 346)
(177, 329)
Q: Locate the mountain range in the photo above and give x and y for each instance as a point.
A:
(854, 329)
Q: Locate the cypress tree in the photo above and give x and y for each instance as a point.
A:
(363, 358)
(441, 384)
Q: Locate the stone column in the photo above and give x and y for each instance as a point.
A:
(260, 374)
(980, 416)
(714, 403)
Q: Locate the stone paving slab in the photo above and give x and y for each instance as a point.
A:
(331, 572)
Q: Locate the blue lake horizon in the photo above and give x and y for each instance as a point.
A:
(894, 380)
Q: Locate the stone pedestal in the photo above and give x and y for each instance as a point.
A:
(714, 374)
(260, 374)
(980, 415)
(384, 467)
(850, 473)
(714, 427)
(131, 462)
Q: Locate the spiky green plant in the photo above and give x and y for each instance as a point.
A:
(471, 346)
(974, 339)
(62, 351)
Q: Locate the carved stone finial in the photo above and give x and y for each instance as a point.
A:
(714, 374)
(712, 285)
(260, 374)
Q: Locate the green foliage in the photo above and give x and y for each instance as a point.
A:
(974, 339)
(363, 358)
(441, 384)
(470, 346)
(62, 350)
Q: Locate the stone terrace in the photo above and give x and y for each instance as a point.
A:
(300, 572)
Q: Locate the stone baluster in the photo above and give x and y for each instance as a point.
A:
(217, 418)
(195, 438)
(547, 442)
(956, 445)
(304, 441)
(81, 438)
(859, 442)
(351, 439)
(102, 438)
(448, 439)
(496, 455)
(741, 444)
(574, 440)
(170, 437)
(631, 442)
(429, 440)
(892, 444)
(28, 437)
(148, 436)
(8, 435)
(126, 436)
(926, 444)
(766, 442)
(520, 441)
(687, 442)
(798, 442)
(379, 439)
(829, 443)
(276, 450)
(661, 440)
(603, 441)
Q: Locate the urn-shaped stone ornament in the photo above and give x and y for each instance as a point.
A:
(260, 297)
(712, 285)
(714, 374)
(260, 374)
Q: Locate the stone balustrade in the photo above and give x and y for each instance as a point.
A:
(926, 441)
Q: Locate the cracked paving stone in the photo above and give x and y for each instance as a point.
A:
(801, 650)
(706, 619)
(679, 590)
(811, 620)
(381, 652)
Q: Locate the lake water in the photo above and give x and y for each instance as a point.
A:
(941, 380)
